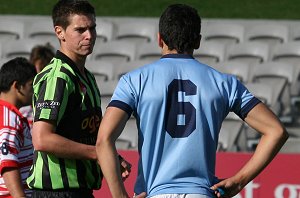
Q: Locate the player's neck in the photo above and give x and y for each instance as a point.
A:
(175, 52)
(10, 98)
(77, 59)
(166, 50)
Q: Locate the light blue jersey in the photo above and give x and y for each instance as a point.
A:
(179, 105)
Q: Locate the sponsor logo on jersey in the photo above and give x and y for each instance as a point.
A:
(91, 123)
(48, 104)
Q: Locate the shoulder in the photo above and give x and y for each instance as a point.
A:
(9, 115)
(142, 69)
(56, 70)
(223, 77)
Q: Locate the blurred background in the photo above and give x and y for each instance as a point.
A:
(256, 40)
(254, 9)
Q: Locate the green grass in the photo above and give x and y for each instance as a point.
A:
(248, 9)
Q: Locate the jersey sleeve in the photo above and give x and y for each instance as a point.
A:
(124, 96)
(241, 100)
(51, 97)
(10, 141)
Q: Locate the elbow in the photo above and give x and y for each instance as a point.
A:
(282, 135)
(103, 141)
(285, 135)
(43, 136)
(99, 141)
(38, 143)
(37, 146)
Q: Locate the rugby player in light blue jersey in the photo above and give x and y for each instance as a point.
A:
(180, 104)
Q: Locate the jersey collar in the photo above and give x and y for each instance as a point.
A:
(186, 56)
(11, 106)
(69, 61)
(66, 59)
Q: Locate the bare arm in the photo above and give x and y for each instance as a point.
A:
(45, 139)
(111, 127)
(13, 182)
(273, 137)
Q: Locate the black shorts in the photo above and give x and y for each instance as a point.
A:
(64, 193)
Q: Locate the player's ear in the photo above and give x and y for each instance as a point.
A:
(197, 42)
(159, 40)
(15, 85)
(59, 32)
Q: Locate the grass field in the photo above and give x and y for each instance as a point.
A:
(248, 9)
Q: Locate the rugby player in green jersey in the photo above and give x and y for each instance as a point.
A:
(67, 111)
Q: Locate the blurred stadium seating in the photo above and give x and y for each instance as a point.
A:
(226, 33)
(263, 54)
(270, 34)
(210, 52)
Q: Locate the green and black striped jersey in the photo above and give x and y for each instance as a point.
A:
(63, 96)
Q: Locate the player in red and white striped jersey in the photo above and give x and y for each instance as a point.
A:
(16, 152)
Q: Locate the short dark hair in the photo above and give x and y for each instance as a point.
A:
(44, 53)
(18, 69)
(65, 8)
(179, 27)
